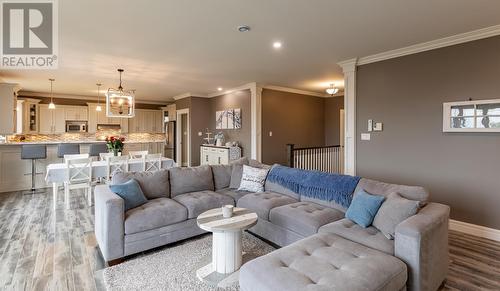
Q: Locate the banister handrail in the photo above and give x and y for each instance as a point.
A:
(322, 158)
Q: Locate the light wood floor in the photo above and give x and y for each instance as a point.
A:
(40, 246)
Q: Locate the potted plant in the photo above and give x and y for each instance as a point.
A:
(115, 144)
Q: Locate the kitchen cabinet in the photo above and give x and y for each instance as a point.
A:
(76, 113)
(214, 155)
(52, 120)
(8, 112)
(146, 121)
(99, 117)
(28, 116)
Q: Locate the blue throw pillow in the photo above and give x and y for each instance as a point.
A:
(131, 192)
(363, 208)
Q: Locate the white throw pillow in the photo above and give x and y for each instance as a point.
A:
(253, 179)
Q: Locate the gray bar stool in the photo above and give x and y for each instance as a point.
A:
(97, 148)
(67, 149)
(33, 153)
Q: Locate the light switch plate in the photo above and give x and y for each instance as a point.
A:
(378, 126)
(365, 136)
(370, 124)
(270, 133)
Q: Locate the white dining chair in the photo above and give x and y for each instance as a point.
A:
(78, 176)
(103, 156)
(75, 157)
(152, 162)
(115, 165)
(138, 154)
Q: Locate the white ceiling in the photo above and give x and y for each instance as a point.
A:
(173, 47)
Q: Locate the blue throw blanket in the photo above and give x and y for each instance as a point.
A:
(314, 184)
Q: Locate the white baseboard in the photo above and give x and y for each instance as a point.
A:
(473, 229)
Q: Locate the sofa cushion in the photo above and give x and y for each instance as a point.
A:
(277, 188)
(155, 213)
(222, 176)
(253, 179)
(263, 202)
(364, 207)
(380, 188)
(199, 202)
(153, 184)
(324, 262)
(130, 192)
(393, 211)
(304, 218)
(186, 180)
(370, 236)
(235, 194)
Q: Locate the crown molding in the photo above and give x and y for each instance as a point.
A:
(297, 91)
(431, 45)
(84, 97)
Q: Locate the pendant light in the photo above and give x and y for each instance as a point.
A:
(98, 107)
(51, 105)
(119, 102)
(332, 90)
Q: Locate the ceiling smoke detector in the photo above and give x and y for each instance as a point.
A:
(243, 28)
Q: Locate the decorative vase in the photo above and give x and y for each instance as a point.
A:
(115, 152)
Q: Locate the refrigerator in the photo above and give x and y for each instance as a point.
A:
(170, 142)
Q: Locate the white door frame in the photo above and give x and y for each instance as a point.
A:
(178, 145)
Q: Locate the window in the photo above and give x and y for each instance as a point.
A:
(472, 116)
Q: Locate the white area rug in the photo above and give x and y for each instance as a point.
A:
(174, 268)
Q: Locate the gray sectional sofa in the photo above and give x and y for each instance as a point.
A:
(317, 241)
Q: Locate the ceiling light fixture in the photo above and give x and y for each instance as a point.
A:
(51, 105)
(243, 28)
(98, 107)
(119, 102)
(332, 90)
(219, 89)
(277, 45)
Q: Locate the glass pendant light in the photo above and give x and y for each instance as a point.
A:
(332, 90)
(51, 105)
(98, 107)
(120, 103)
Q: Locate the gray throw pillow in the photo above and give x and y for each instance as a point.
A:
(393, 211)
(222, 176)
(253, 179)
(236, 174)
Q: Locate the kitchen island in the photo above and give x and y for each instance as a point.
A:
(15, 173)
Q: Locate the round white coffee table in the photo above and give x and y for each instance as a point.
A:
(226, 245)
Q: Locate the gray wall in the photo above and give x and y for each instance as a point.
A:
(303, 120)
(239, 99)
(332, 119)
(407, 93)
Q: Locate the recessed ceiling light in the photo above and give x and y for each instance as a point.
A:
(219, 89)
(243, 28)
(277, 45)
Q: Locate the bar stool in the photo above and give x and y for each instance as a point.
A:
(97, 148)
(67, 149)
(33, 153)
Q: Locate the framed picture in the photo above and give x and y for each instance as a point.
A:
(219, 115)
(237, 118)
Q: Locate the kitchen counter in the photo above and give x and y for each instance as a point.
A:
(78, 142)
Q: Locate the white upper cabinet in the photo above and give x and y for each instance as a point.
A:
(52, 120)
(146, 121)
(79, 113)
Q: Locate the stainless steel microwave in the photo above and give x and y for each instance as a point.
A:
(76, 126)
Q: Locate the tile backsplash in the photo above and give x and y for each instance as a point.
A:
(101, 135)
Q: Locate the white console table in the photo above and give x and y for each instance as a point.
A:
(218, 155)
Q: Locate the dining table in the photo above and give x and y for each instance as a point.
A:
(57, 173)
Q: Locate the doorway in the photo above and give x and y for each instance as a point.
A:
(183, 139)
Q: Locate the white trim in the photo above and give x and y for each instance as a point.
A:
(297, 91)
(431, 45)
(349, 69)
(179, 137)
(256, 121)
(84, 97)
(186, 95)
(473, 229)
